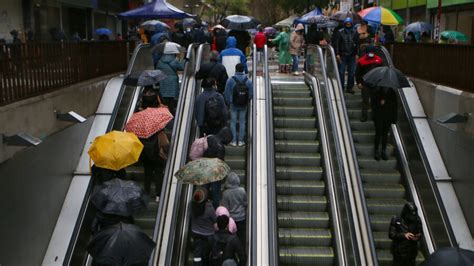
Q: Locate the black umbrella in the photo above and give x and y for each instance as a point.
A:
(184, 23)
(342, 15)
(238, 22)
(121, 244)
(144, 78)
(385, 76)
(120, 197)
(450, 256)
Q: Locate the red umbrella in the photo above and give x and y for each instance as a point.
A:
(149, 121)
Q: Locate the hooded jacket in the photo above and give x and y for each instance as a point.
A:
(234, 198)
(215, 70)
(409, 221)
(169, 87)
(365, 64)
(229, 87)
(347, 42)
(221, 210)
(234, 247)
(231, 56)
(215, 143)
(200, 105)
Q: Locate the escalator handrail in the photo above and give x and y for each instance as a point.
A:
(251, 171)
(82, 212)
(271, 184)
(328, 168)
(355, 176)
(412, 186)
(164, 204)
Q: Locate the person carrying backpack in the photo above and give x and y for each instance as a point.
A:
(203, 217)
(238, 92)
(226, 246)
(209, 109)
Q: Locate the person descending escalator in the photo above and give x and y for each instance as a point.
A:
(384, 113)
(405, 232)
(225, 246)
(238, 92)
(203, 217)
(366, 63)
(221, 210)
(346, 48)
(209, 109)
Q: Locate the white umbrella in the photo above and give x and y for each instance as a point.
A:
(172, 48)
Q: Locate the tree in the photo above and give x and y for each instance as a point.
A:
(222, 8)
(301, 6)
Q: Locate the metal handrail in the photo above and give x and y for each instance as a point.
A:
(351, 161)
(428, 235)
(272, 226)
(166, 200)
(328, 167)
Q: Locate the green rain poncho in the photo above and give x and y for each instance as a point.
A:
(283, 41)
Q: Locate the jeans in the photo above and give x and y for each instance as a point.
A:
(241, 112)
(348, 62)
(202, 248)
(296, 61)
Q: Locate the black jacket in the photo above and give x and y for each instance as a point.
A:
(347, 43)
(384, 104)
(234, 248)
(313, 36)
(221, 40)
(215, 70)
(243, 39)
(215, 148)
(401, 247)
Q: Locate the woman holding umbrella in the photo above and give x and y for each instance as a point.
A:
(283, 42)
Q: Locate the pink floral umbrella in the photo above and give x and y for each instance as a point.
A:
(149, 121)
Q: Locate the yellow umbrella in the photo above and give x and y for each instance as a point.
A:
(115, 150)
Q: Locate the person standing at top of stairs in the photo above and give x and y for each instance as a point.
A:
(346, 48)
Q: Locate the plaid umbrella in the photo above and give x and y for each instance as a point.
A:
(203, 171)
(149, 121)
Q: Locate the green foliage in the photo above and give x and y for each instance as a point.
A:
(299, 6)
(223, 8)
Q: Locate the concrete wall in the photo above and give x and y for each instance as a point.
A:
(11, 18)
(35, 115)
(33, 186)
(455, 141)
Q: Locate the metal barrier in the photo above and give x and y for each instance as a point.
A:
(32, 69)
(446, 64)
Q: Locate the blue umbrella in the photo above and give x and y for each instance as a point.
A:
(419, 26)
(103, 31)
(155, 25)
(310, 15)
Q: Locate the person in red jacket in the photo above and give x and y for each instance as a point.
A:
(366, 63)
(260, 41)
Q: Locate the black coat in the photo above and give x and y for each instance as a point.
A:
(243, 39)
(347, 43)
(234, 248)
(215, 70)
(402, 247)
(384, 104)
(215, 148)
(313, 36)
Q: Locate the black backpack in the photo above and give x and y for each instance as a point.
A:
(151, 148)
(240, 93)
(213, 111)
(218, 250)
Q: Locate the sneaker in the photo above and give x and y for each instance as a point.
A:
(233, 144)
(157, 199)
(296, 73)
(241, 143)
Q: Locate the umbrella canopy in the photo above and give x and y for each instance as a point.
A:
(341, 16)
(121, 244)
(158, 9)
(418, 26)
(172, 48)
(155, 25)
(381, 15)
(454, 35)
(287, 22)
(203, 171)
(238, 22)
(450, 256)
(385, 76)
(270, 31)
(103, 31)
(119, 197)
(184, 23)
(144, 78)
(218, 26)
(149, 121)
(115, 150)
(252, 31)
(310, 15)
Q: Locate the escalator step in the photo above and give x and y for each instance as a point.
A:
(298, 159)
(293, 87)
(381, 239)
(293, 111)
(295, 134)
(306, 255)
(304, 237)
(306, 172)
(297, 122)
(303, 219)
(292, 93)
(381, 190)
(296, 146)
(380, 222)
(371, 163)
(387, 176)
(293, 101)
(300, 187)
(385, 206)
(363, 136)
(364, 149)
(235, 151)
(385, 257)
(235, 162)
(301, 203)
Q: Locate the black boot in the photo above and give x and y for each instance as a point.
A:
(384, 155)
(377, 154)
(363, 116)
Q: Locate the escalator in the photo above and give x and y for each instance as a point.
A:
(304, 232)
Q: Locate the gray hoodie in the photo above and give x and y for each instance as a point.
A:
(234, 198)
